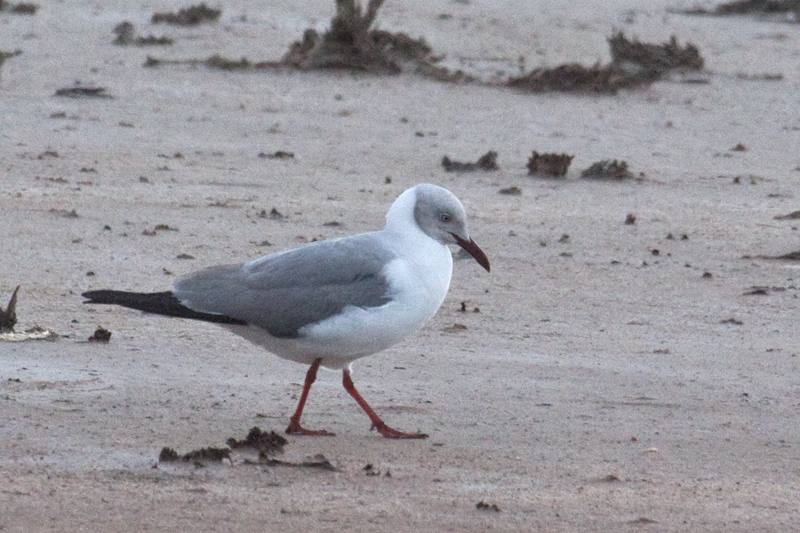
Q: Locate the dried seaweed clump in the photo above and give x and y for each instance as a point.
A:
(8, 55)
(215, 61)
(791, 256)
(188, 16)
(168, 455)
(634, 64)
(574, 77)
(758, 6)
(265, 443)
(794, 215)
(746, 7)
(19, 9)
(652, 57)
(350, 44)
(555, 165)
(83, 92)
(608, 170)
(8, 318)
(101, 335)
(126, 36)
(487, 161)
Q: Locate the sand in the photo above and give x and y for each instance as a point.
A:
(616, 377)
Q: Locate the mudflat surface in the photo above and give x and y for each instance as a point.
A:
(616, 377)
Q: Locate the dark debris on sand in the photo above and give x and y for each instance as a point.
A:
(574, 77)
(548, 164)
(265, 443)
(633, 64)
(608, 170)
(485, 506)
(8, 55)
(8, 317)
(791, 256)
(794, 215)
(318, 462)
(486, 162)
(83, 92)
(652, 57)
(280, 154)
(101, 334)
(18, 9)
(351, 43)
(126, 36)
(215, 62)
(261, 441)
(750, 7)
(188, 16)
(197, 457)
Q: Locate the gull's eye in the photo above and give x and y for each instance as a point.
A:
(446, 218)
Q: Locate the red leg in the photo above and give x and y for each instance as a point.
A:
(377, 423)
(294, 423)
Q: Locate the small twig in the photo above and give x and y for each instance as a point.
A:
(9, 317)
(372, 12)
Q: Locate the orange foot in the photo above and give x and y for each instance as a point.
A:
(296, 429)
(390, 433)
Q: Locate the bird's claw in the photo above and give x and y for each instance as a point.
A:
(390, 433)
(297, 429)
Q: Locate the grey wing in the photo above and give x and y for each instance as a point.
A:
(285, 291)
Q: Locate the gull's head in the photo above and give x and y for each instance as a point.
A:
(440, 215)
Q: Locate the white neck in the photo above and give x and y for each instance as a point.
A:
(401, 214)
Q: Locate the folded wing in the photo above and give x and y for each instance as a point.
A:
(285, 291)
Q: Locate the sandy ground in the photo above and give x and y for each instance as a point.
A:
(603, 386)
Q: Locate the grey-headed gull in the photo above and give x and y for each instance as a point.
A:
(330, 302)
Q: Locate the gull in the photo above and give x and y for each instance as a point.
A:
(330, 302)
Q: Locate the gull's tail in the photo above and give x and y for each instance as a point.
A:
(161, 303)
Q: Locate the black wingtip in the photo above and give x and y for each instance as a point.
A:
(160, 303)
(99, 297)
